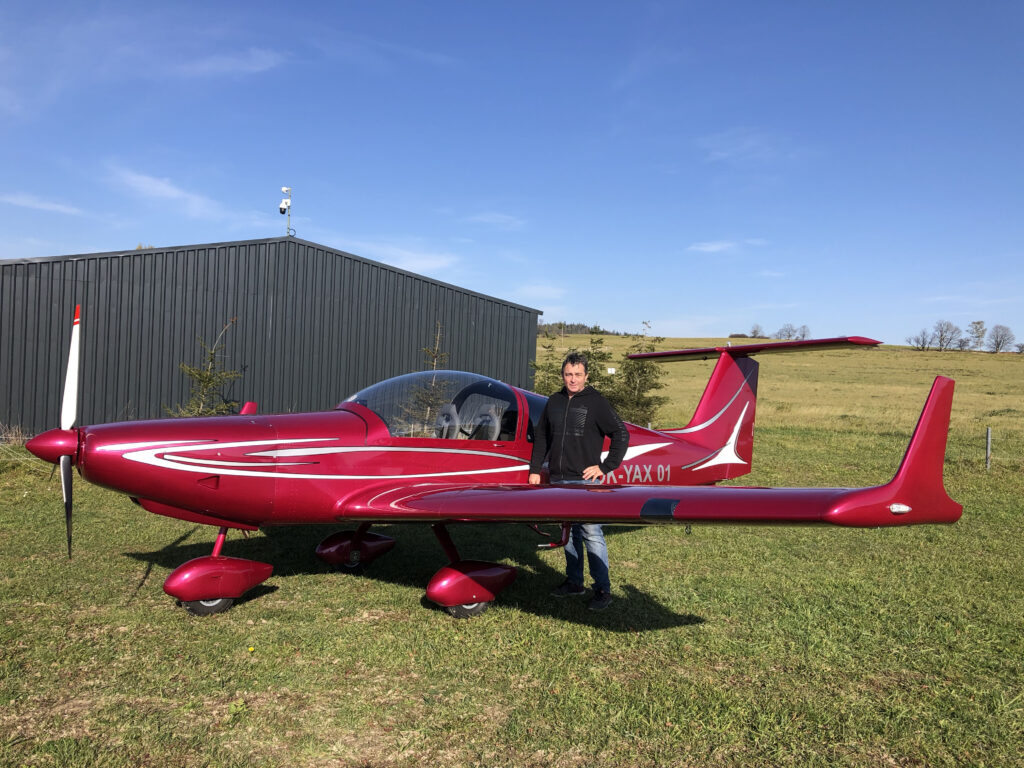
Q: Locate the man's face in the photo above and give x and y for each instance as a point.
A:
(575, 378)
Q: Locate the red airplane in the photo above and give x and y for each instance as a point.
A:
(445, 447)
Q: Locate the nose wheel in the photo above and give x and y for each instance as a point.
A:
(207, 607)
(465, 588)
(211, 584)
(467, 610)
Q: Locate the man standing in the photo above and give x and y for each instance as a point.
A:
(570, 434)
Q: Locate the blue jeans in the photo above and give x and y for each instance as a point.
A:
(592, 535)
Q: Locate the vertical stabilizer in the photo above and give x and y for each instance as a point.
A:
(724, 418)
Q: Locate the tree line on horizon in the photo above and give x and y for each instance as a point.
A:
(787, 332)
(561, 328)
(945, 336)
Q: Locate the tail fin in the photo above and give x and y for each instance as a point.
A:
(724, 419)
(917, 493)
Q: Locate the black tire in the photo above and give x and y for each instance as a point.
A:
(207, 607)
(356, 569)
(468, 610)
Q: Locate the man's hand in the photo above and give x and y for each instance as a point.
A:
(593, 473)
(534, 479)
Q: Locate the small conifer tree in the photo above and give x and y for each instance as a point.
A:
(206, 397)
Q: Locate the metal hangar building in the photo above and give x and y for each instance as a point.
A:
(311, 325)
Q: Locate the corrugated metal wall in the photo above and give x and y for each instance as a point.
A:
(313, 326)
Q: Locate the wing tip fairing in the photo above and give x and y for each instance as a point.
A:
(917, 493)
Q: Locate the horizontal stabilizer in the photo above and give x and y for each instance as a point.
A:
(745, 350)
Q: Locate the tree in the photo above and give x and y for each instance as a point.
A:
(756, 332)
(945, 335)
(964, 343)
(922, 340)
(1020, 349)
(803, 332)
(434, 355)
(788, 331)
(208, 380)
(999, 338)
(635, 380)
(976, 330)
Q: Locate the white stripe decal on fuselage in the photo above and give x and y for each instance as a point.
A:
(146, 453)
(713, 419)
(637, 450)
(727, 453)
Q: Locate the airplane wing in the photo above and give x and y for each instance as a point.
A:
(915, 495)
(860, 507)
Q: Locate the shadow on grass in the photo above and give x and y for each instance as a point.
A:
(417, 557)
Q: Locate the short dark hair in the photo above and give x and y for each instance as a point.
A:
(575, 358)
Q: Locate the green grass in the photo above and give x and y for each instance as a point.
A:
(730, 646)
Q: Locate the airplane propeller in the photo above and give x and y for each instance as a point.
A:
(65, 487)
(68, 416)
(69, 405)
(60, 446)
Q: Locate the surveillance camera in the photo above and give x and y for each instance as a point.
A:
(285, 205)
(286, 190)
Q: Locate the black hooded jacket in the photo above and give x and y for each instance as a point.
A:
(573, 431)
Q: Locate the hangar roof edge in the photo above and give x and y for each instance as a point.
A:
(338, 251)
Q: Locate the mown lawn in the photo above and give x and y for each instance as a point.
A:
(728, 646)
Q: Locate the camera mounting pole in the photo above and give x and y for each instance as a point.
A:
(286, 208)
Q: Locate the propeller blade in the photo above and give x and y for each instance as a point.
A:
(69, 407)
(65, 487)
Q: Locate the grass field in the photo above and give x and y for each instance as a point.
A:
(729, 646)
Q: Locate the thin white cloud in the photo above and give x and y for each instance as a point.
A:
(777, 305)
(49, 58)
(712, 246)
(23, 200)
(739, 145)
(374, 55)
(499, 220)
(416, 54)
(720, 246)
(160, 189)
(411, 258)
(976, 300)
(540, 292)
(10, 102)
(645, 63)
(553, 313)
(693, 326)
(252, 61)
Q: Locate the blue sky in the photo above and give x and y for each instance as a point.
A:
(856, 167)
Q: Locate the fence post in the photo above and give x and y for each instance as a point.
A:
(988, 447)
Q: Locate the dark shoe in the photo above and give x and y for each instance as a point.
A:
(568, 589)
(600, 601)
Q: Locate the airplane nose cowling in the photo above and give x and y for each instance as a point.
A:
(51, 445)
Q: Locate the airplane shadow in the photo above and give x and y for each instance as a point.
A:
(417, 557)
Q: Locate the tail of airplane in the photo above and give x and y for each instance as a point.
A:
(723, 422)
